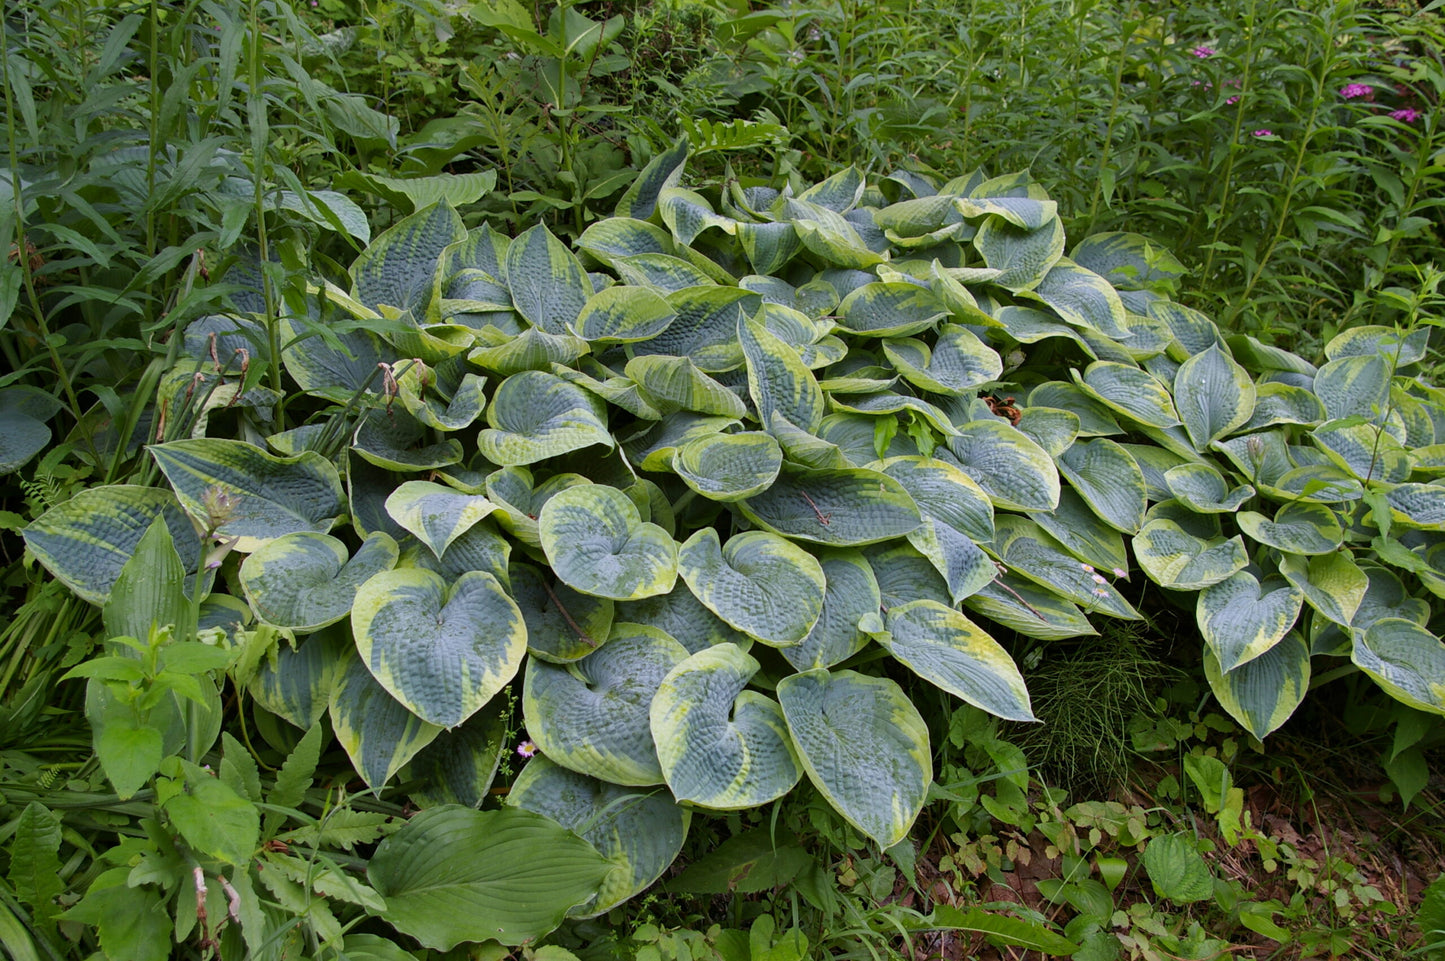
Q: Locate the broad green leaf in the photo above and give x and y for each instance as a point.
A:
(720, 746)
(728, 467)
(1356, 386)
(452, 874)
(904, 574)
(672, 384)
(1129, 391)
(533, 349)
(379, 734)
(618, 238)
(768, 246)
(759, 583)
(834, 507)
(296, 683)
(1296, 529)
(1262, 694)
(1176, 869)
(534, 416)
(417, 193)
(1082, 298)
(597, 543)
(839, 193)
(562, 625)
(1107, 478)
(150, 592)
(396, 441)
(306, 580)
(1370, 340)
(86, 541)
(947, 649)
(132, 922)
(396, 268)
(1213, 395)
(653, 448)
(460, 765)
(662, 171)
(945, 493)
(778, 380)
(1241, 618)
(864, 746)
(1023, 547)
(850, 593)
(623, 314)
(436, 514)
(1176, 559)
(1276, 403)
(890, 310)
(1332, 583)
(35, 870)
(1129, 261)
(213, 819)
(129, 750)
(1024, 256)
(23, 433)
(999, 928)
(1406, 660)
(1417, 505)
(1014, 471)
(705, 328)
(441, 651)
(240, 491)
(548, 284)
(688, 213)
(592, 716)
(1205, 489)
(639, 832)
(963, 564)
(1095, 418)
(478, 548)
(887, 402)
(829, 235)
(1364, 450)
(957, 363)
(423, 400)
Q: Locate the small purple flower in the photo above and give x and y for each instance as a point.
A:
(1203, 52)
(1264, 132)
(1406, 114)
(526, 749)
(1352, 91)
(1231, 101)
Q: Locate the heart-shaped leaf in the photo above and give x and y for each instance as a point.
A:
(729, 467)
(1213, 396)
(864, 745)
(720, 746)
(851, 592)
(1296, 529)
(1014, 471)
(1332, 583)
(1176, 559)
(548, 283)
(305, 581)
(436, 514)
(562, 625)
(1406, 660)
(758, 583)
(297, 685)
(597, 543)
(1241, 618)
(441, 651)
(534, 416)
(623, 315)
(1262, 694)
(1109, 480)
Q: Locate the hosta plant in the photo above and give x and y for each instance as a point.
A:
(702, 488)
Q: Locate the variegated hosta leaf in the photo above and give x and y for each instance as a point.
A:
(1105, 476)
(639, 831)
(829, 235)
(1213, 395)
(1386, 341)
(1053, 430)
(778, 380)
(1031, 610)
(662, 171)
(548, 283)
(1129, 391)
(1365, 450)
(623, 315)
(238, 490)
(592, 715)
(1023, 547)
(1417, 505)
(958, 363)
(460, 765)
(887, 402)
(688, 214)
(597, 543)
(562, 625)
(851, 593)
(864, 745)
(440, 412)
(681, 615)
(1205, 490)
(758, 583)
(1406, 660)
(1129, 261)
(834, 507)
(1014, 471)
(436, 514)
(890, 310)
(705, 328)
(296, 683)
(532, 349)
(768, 246)
(720, 746)
(1332, 583)
(306, 580)
(1296, 529)
(963, 564)
(945, 648)
(945, 493)
(86, 541)
(534, 416)
(396, 441)
(1082, 298)
(904, 574)
(1176, 559)
(1241, 618)
(1095, 419)
(379, 734)
(480, 548)
(729, 467)
(1276, 403)
(441, 651)
(396, 269)
(672, 384)
(1082, 533)
(1022, 256)
(652, 449)
(1354, 386)
(1262, 694)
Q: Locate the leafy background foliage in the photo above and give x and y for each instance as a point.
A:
(389, 384)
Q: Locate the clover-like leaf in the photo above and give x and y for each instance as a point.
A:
(1241, 618)
(592, 716)
(306, 580)
(597, 543)
(758, 583)
(864, 746)
(720, 746)
(441, 651)
(945, 648)
(535, 415)
(640, 832)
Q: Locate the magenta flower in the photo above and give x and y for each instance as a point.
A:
(1352, 91)
(526, 749)
(1264, 132)
(1231, 101)
(1203, 52)
(1406, 114)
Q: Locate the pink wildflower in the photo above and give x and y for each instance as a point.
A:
(1352, 91)
(526, 749)
(1231, 101)
(1203, 52)
(1264, 132)
(1406, 114)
